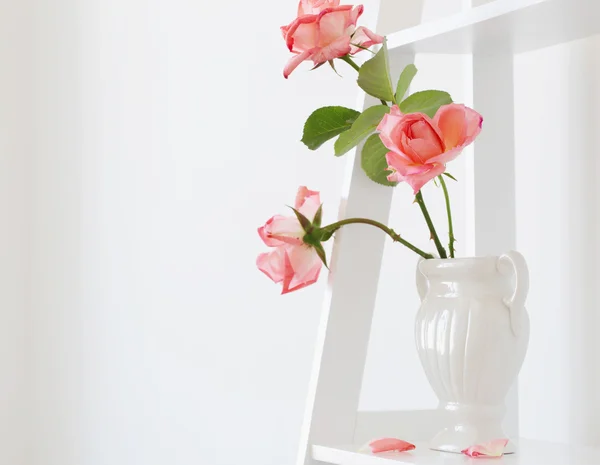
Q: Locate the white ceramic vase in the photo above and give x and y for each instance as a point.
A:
(472, 332)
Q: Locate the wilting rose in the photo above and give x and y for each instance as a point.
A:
(291, 262)
(419, 147)
(324, 30)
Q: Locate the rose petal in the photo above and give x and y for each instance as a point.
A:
(493, 448)
(451, 121)
(417, 181)
(302, 268)
(421, 126)
(402, 166)
(405, 148)
(424, 149)
(302, 33)
(424, 130)
(332, 24)
(273, 264)
(398, 131)
(395, 177)
(459, 125)
(386, 128)
(307, 202)
(365, 38)
(356, 13)
(295, 61)
(390, 444)
(336, 49)
(313, 7)
(280, 230)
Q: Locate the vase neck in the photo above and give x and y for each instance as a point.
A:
(477, 277)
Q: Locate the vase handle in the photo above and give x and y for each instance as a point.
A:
(422, 285)
(516, 303)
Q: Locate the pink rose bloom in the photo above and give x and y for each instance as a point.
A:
(291, 262)
(420, 147)
(324, 30)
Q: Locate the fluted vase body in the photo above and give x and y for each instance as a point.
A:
(472, 332)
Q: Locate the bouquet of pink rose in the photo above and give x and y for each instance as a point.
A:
(408, 139)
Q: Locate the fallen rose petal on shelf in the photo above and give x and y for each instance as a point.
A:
(390, 444)
(493, 448)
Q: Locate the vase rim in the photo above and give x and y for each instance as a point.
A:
(462, 264)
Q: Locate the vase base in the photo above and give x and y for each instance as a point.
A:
(458, 438)
(510, 449)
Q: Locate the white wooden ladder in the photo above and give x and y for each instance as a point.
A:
(491, 33)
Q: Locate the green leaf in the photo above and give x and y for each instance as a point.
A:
(404, 81)
(374, 76)
(427, 101)
(450, 176)
(373, 161)
(361, 128)
(326, 123)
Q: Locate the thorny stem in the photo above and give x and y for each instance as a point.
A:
(390, 232)
(449, 212)
(434, 236)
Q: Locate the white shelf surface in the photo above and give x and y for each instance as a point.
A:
(503, 25)
(529, 453)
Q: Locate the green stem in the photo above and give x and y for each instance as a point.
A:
(449, 212)
(351, 62)
(434, 236)
(390, 232)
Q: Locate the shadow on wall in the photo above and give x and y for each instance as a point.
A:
(580, 257)
(413, 12)
(558, 200)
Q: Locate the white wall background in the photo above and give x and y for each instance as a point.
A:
(15, 138)
(164, 135)
(142, 143)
